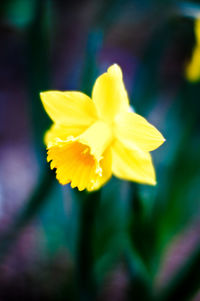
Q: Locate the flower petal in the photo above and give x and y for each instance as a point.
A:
(192, 71)
(59, 132)
(69, 108)
(106, 166)
(133, 165)
(109, 94)
(98, 137)
(136, 132)
(197, 30)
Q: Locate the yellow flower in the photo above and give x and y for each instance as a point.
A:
(91, 139)
(193, 68)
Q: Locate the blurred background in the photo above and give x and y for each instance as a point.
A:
(127, 241)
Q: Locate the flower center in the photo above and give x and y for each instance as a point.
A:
(98, 137)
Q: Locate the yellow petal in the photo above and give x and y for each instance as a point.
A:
(109, 94)
(98, 137)
(136, 132)
(61, 132)
(132, 165)
(106, 165)
(197, 30)
(76, 165)
(193, 68)
(69, 108)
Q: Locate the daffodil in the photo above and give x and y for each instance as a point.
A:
(193, 68)
(93, 138)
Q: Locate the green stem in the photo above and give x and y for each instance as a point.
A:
(140, 284)
(85, 260)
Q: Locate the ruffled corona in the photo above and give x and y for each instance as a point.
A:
(91, 139)
(74, 164)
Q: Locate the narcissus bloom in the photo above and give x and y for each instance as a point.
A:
(193, 68)
(93, 138)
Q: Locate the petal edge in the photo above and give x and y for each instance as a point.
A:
(132, 165)
(136, 132)
(69, 108)
(109, 94)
